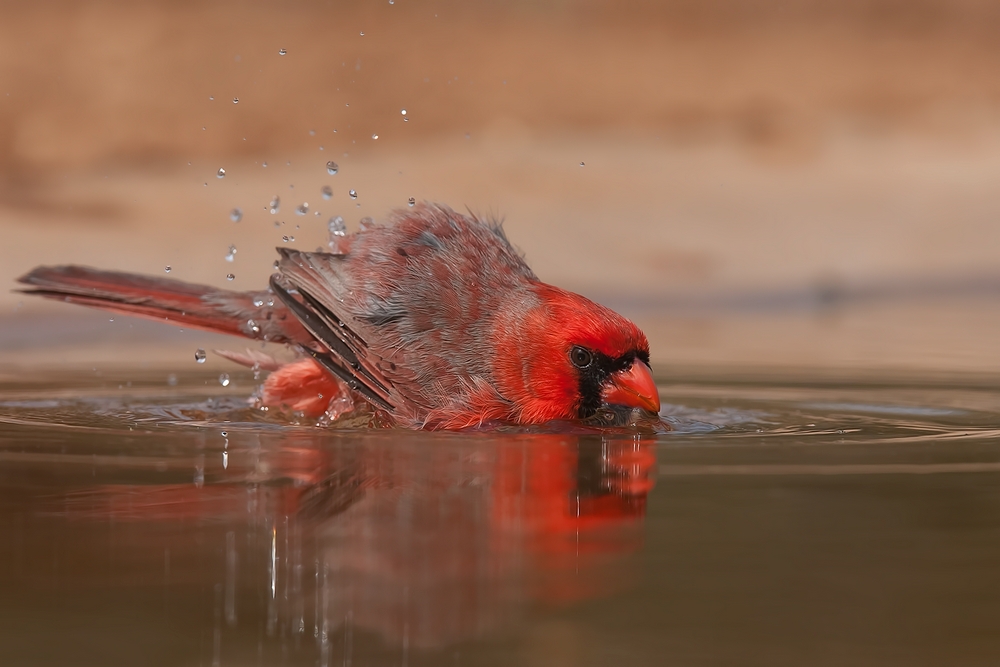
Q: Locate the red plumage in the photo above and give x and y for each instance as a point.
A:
(433, 318)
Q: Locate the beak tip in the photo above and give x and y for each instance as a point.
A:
(633, 387)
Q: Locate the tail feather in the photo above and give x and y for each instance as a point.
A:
(251, 314)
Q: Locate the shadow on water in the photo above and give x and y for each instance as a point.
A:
(790, 523)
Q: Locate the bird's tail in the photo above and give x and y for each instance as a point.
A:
(252, 314)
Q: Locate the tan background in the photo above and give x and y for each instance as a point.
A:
(803, 184)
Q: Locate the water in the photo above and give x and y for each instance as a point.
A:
(781, 522)
(336, 227)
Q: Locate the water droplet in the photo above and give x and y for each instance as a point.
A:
(200, 356)
(403, 111)
(236, 214)
(302, 208)
(332, 168)
(366, 222)
(258, 302)
(231, 255)
(326, 191)
(230, 276)
(224, 379)
(392, 2)
(275, 265)
(336, 227)
(282, 52)
(362, 33)
(211, 98)
(167, 269)
(236, 100)
(221, 173)
(353, 194)
(275, 204)
(254, 328)
(582, 165)
(265, 164)
(374, 136)
(172, 380)
(412, 201)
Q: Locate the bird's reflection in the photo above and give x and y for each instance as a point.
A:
(424, 543)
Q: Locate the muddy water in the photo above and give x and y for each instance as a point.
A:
(780, 523)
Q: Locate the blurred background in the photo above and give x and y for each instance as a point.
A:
(795, 186)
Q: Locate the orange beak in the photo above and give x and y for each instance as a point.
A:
(633, 388)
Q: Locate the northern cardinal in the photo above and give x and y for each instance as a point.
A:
(434, 319)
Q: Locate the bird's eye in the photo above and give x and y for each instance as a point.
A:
(581, 357)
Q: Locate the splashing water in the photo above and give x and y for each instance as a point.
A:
(336, 227)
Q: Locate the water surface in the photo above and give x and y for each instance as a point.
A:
(781, 522)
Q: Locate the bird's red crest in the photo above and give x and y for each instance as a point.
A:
(580, 321)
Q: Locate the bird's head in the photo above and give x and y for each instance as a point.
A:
(566, 357)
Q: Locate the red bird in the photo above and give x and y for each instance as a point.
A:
(433, 319)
